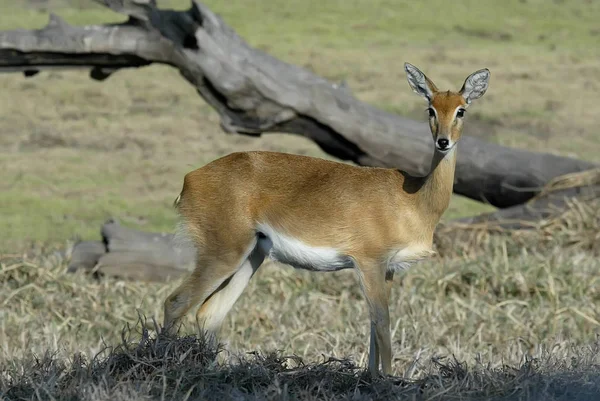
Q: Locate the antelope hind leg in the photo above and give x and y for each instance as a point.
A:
(211, 314)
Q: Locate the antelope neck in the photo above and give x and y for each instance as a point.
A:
(436, 191)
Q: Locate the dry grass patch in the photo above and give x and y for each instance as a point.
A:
(184, 368)
(575, 228)
(520, 319)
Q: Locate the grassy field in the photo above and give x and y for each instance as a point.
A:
(74, 152)
(522, 322)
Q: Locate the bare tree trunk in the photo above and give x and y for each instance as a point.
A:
(255, 93)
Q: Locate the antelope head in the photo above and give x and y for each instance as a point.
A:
(446, 110)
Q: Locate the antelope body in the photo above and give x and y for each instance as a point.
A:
(317, 215)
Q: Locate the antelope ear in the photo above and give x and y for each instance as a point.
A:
(419, 82)
(475, 85)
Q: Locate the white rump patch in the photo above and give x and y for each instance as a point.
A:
(404, 258)
(289, 250)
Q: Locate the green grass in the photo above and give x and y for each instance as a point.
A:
(347, 24)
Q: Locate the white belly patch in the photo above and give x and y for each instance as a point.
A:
(289, 250)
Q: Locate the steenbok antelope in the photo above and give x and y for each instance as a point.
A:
(317, 215)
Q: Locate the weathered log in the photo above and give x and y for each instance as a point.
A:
(128, 253)
(85, 255)
(123, 239)
(255, 93)
(139, 266)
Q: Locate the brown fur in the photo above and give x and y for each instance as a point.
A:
(446, 103)
(365, 214)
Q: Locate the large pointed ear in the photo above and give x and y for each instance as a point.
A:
(475, 85)
(419, 81)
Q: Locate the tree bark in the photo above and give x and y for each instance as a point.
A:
(131, 254)
(255, 93)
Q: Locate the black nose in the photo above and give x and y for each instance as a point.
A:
(443, 143)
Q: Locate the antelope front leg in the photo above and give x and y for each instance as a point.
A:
(376, 288)
(373, 352)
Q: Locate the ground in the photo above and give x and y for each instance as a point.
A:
(74, 152)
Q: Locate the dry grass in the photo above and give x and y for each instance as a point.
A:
(184, 368)
(575, 227)
(535, 302)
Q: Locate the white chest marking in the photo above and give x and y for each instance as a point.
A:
(402, 259)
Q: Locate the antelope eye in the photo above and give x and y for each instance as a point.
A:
(460, 113)
(431, 112)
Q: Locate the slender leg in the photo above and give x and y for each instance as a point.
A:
(213, 268)
(373, 352)
(211, 314)
(205, 280)
(376, 289)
